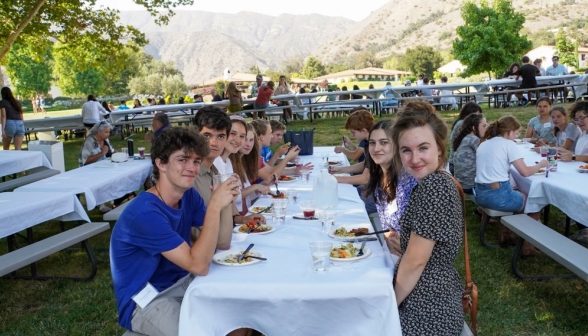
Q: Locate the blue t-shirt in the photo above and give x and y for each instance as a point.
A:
(363, 144)
(123, 107)
(145, 229)
(266, 153)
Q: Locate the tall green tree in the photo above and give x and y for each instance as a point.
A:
(490, 38)
(422, 59)
(566, 49)
(66, 20)
(174, 85)
(313, 68)
(367, 59)
(30, 72)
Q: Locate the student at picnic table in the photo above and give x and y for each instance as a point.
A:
(467, 109)
(159, 124)
(359, 123)
(389, 190)
(540, 128)
(494, 156)
(278, 130)
(215, 125)
(150, 248)
(233, 94)
(427, 286)
(566, 134)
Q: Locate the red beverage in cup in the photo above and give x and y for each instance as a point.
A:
(544, 155)
(308, 213)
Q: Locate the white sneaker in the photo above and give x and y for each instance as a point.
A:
(105, 208)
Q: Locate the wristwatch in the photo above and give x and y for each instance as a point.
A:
(573, 158)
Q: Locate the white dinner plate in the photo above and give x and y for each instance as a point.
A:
(221, 256)
(349, 228)
(236, 230)
(294, 180)
(582, 170)
(541, 172)
(366, 253)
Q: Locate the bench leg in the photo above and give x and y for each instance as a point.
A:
(568, 224)
(515, 267)
(482, 233)
(34, 276)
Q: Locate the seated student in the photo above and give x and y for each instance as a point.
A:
(123, 105)
(466, 110)
(579, 113)
(390, 190)
(389, 95)
(566, 134)
(426, 92)
(215, 126)
(359, 123)
(159, 124)
(278, 130)
(494, 156)
(447, 100)
(540, 127)
(464, 148)
(150, 248)
(263, 130)
(246, 165)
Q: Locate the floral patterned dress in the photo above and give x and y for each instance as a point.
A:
(390, 212)
(434, 212)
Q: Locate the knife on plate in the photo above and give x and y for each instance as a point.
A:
(240, 258)
(266, 209)
(305, 218)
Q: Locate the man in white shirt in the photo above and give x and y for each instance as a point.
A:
(557, 70)
(447, 100)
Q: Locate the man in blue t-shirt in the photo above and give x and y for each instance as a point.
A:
(151, 259)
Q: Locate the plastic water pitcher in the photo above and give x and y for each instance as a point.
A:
(325, 190)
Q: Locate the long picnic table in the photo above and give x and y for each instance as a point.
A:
(99, 182)
(284, 295)
(12, 161)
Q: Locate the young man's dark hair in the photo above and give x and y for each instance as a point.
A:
(214, 118)
(174, 139)
(525, 59)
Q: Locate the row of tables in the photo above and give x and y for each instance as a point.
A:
(284, 295)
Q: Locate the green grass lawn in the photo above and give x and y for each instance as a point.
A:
(506, 306)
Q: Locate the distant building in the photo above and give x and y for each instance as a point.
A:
(366, 74)
(583, 57)
(452, 69)
(543, 53)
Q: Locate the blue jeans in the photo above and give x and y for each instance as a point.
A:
(503, 198)
(262, 106)
(14, 128)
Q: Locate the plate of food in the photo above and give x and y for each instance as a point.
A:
(284, 178)
(348, 231)
(541, 171)
(260, 209)
(348, 252)
(583, 168)
(230, 258)
(255, 228)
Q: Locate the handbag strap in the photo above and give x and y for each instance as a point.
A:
(466, 252)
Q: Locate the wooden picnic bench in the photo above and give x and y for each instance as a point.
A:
(36, 251)
(34, 175)
(558, 247)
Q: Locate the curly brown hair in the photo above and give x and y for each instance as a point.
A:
(174, 139)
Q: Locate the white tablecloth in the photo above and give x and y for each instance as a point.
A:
(19, 211)
(565, 188)
(13, 161)
(97, 182)
(284, 296)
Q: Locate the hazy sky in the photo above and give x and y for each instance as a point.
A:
(351, 11)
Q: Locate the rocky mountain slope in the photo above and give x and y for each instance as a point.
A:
(400, 24)
(203, 44)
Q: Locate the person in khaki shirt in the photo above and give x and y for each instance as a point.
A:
(215, 125)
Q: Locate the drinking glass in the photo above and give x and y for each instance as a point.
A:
(322, 216)
(218, 179)
(305, 176)
(543, 150)
(330, 220)
(320, 253)
(142, 152)
(308, 208)
(278, 215)
(292, 196)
